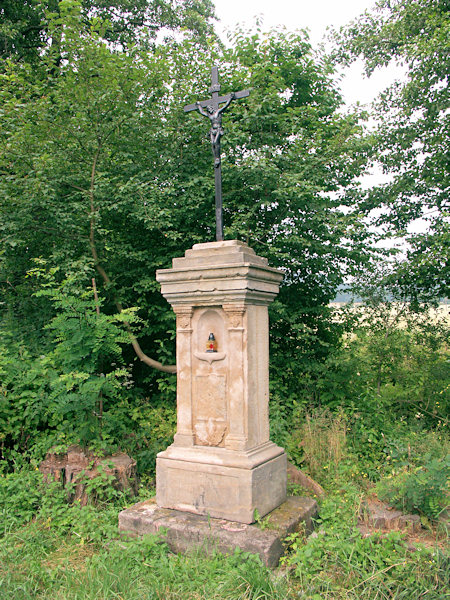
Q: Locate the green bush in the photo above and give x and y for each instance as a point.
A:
(80, 391)
(422, 490)
(26, 497)
(20, 497)
(340, 563)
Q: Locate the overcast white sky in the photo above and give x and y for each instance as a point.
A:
(294, 14)
(315, 15)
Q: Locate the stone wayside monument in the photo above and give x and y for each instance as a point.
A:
(222, 472)
(222, 462)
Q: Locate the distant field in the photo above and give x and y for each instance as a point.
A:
(441, 312)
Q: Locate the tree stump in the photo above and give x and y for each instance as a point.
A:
(78, 466)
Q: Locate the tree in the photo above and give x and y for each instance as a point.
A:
(400, 353)
(102, 169)
(28, 26)
(81, 116)
(413, 133)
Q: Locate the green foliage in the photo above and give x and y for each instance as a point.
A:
(340, 563)
(24, 496)
(97, 156)
(261, 522)
(100, 489)
(319, 444)
(80, 391)
(130, 569)
(102, 176)
(71, 393)
(24, 386)
(413, 132)
(20, 497)
(395, 387)
(387, 383)
(75, 552)
(360, 442)
(150, 430)
(423, 489)
(402, 355)
(29, 29)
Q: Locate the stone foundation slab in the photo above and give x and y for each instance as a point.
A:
(185, 531)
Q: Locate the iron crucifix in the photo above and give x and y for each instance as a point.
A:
(211, 108)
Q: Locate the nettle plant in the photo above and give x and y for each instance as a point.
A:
(90, 377)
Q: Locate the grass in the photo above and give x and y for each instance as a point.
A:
(340, 563)
(39, 564)
(45, 560)
(52, 551)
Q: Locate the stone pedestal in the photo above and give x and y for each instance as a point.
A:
(221, 463)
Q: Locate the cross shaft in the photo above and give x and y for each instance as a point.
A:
(211, 108)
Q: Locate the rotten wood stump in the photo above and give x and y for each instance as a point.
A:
(77, 466)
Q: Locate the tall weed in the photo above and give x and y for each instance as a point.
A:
(319, 443)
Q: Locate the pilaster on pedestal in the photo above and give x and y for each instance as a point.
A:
(222, 462)
(183, 436)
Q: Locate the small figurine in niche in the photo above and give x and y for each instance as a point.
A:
(211, 344)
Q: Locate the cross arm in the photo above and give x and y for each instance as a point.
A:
(220, 100)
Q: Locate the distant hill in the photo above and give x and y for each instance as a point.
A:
(345, 295)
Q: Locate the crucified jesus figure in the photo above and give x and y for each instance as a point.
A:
(212, 109)
(216, 131)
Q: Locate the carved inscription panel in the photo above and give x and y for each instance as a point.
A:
(199, 491)
(210, 409)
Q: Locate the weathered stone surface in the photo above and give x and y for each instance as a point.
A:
(77, 465)
(219, 272)
(222, 462)
(378, 515)
(222, 491)
(410, 523)
(184, 531)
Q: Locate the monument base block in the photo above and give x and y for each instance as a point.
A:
(234, 492)
(185, 531)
